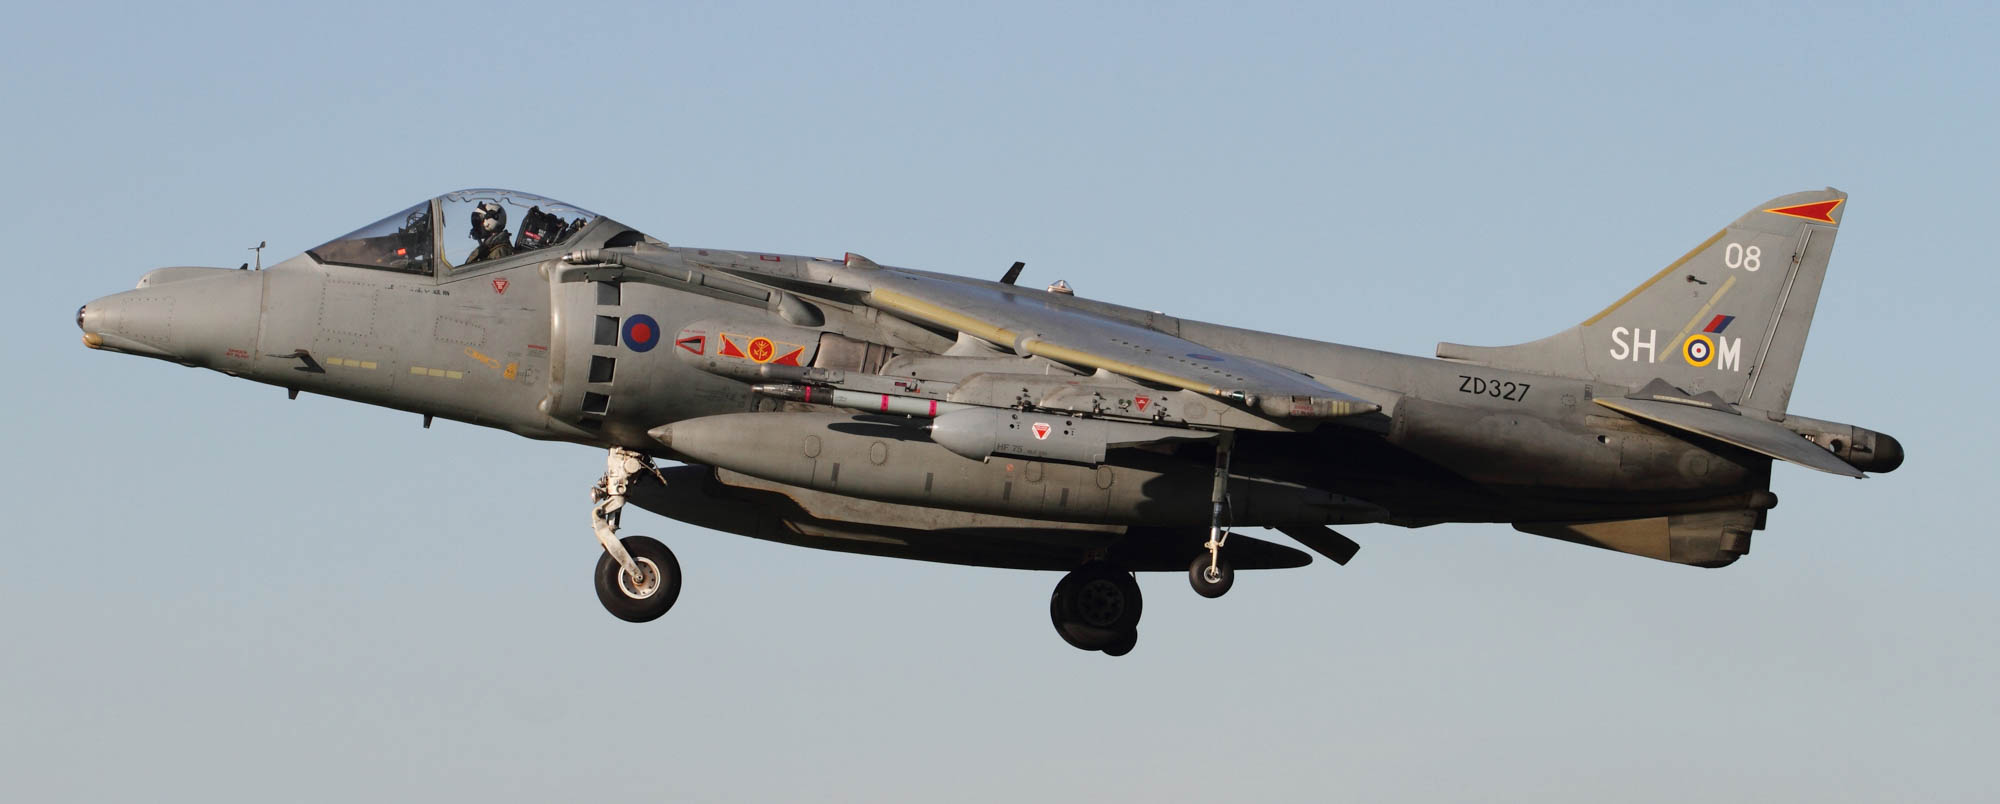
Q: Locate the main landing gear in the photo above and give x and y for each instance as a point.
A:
(1096, 607)
(638, 578)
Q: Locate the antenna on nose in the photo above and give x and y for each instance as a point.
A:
(259, 248)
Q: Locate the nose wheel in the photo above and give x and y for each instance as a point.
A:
(1096, 607)
(638, 578)
(645, 595)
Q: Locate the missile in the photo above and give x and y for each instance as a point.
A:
(857, 400)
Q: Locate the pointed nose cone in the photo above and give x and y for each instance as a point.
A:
(201, 317)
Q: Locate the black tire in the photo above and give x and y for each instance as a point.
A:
(1206, 586)
(1124, 645)
(1077, 635)
(639, 603)
(1095, 605)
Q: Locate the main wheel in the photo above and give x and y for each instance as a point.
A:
(645, 598)
(1095, 606)
(1210, 582)
(1124, 644)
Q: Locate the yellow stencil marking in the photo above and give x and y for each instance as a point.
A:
(512, 368)
(1656, 277)
(1681, 337)
(476, 355)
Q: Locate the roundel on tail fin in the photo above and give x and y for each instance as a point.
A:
(1698, 350)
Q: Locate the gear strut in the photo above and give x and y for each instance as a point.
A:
(1214, 576)
(608, 498)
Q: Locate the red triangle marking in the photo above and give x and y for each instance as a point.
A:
(1821, 211)
(729, 348)
(791, 358)
(696, 344)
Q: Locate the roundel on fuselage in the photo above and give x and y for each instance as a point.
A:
(642, 333)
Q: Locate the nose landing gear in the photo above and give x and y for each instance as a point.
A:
(1096, 607)
(638, 578)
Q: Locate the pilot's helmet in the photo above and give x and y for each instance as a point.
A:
(488, 218)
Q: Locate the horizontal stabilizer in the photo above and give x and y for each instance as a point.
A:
(1753, 433)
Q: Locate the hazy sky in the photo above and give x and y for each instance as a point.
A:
(208, 593)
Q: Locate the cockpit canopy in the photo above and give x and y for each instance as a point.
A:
(477, 226)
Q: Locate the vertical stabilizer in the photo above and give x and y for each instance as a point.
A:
(1730, 316)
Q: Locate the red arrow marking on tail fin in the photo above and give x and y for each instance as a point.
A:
(1821, 211)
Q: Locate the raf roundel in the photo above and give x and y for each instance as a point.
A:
(1698, 350)
(642, 333)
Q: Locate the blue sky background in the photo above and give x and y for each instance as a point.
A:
(208, 593)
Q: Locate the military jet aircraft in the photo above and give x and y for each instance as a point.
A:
(845, 405)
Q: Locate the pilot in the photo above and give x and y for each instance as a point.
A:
(489, 227)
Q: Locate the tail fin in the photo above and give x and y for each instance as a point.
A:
(1730, 316)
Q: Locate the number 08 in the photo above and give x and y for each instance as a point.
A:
(1735, 255)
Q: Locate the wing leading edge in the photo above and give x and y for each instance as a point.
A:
(1029, 325)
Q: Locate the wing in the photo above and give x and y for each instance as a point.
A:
(1032, 322)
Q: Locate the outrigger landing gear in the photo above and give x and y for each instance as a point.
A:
(1210, 574)
(1096, 607)
(638, 578)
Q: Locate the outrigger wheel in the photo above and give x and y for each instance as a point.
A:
(1211, 576)
(1096, 607)
(646, 597)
